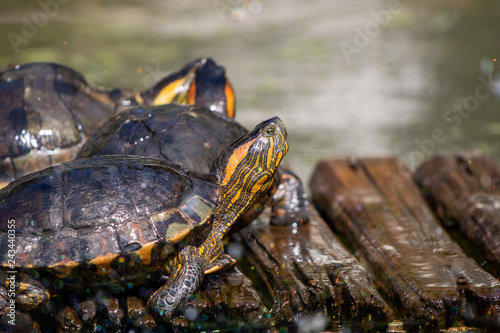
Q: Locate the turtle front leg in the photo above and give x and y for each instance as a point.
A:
(183, 281)
(289, 202)
(186, 277)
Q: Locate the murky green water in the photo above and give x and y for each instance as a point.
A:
(348, 77)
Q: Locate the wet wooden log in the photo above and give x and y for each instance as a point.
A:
(377, 207)
(310, 274)
(464, 191)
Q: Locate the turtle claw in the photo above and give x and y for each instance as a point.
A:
(223, 262)
(289, 202)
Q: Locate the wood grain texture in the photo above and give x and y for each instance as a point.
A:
(309, 272)
(375, 204)
(464, 191)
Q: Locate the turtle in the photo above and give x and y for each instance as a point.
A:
(122, 219)
(48, 110)
(191, 136)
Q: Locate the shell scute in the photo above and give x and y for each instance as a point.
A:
(101, 204)
(97, 241)
(172, 225)
(197, 210)
(133, 234)
(33, 192)
(160, 189)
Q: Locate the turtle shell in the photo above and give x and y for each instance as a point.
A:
(46, 112)
(106, 212)
(191, 136)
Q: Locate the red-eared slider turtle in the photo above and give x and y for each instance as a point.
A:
(193, 137)
(48, 110)
(127, 219)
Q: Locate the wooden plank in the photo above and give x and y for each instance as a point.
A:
(464, 191)
(375, 204)
(309, 273)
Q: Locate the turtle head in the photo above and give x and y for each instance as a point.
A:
(213, 88)
(201, 82)
(245, 170)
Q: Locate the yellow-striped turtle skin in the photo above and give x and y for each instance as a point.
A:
(244, 172)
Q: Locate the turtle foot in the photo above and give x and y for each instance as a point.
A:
(289, 202)
(184, 280)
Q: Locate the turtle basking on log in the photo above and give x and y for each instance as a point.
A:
(127, 219)
(48, 110)
(191, 136)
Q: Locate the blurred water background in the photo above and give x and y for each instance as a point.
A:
(348, 77)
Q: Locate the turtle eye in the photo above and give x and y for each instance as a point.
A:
(270, 130)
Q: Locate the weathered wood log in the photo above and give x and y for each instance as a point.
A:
(464, 191)
(377, 207)
(308, 272)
